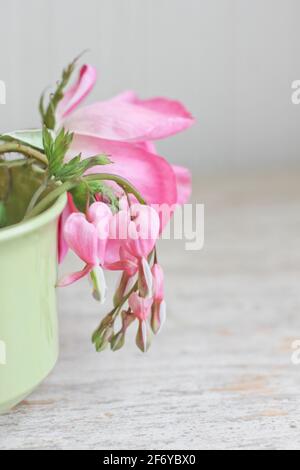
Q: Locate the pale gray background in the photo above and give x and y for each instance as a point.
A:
(231, 61)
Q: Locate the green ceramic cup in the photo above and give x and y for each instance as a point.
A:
(28, 316)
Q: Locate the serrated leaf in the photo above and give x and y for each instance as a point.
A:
(77, 167)
(56, 149)
(48, 116)
(32, 137)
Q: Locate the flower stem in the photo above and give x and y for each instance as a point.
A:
(37, 195)
(15, 163)
(50, 199)
(71, 184)
(123, 183)
(15, 147)
(111, 317)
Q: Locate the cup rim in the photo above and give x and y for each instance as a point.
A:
(23, 228)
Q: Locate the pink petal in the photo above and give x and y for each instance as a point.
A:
(184, 184)
(118, 233)
(99, 212)
(148, 146)
(145, 279)
(127, 266)
(77, 92)
(100, 215)
(143, 231)
(125, 262)
(183, 175)
(62, 244)
(158, 282)
(82, 238)
(129, 119)
(141, 307)
(151, 175)
(71, 278)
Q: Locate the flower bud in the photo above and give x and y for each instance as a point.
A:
(99, 284)
(158, 316)
(102, 340)
(143, 338)
(127, 319)
(140, 307)
(103, 334)
(145, 279)
(126, 283)
(158, 282)
(117, 341)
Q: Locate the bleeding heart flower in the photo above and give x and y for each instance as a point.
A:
(133, 235)
(143, 231)
(87, 236)
(141, 309)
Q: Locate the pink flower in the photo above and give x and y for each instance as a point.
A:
(124, 128)
(140, 307)
(87, 236)
(133, 235)
(143, 231)
(126, 119)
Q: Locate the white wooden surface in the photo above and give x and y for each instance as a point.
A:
(220, 376)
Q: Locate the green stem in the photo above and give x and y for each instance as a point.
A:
(50, 199)
(117, 309)
(122, 182)
(71, 184)
(15, 163)
(111, 317)
(15, 147)
(37, 195)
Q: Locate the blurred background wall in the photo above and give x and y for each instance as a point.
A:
(231, 61)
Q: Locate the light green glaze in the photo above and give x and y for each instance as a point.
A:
(28, 317)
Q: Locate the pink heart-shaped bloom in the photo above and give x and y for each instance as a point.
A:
(140, 307)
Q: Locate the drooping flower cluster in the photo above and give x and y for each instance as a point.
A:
(132, 233)
(121, 193)
(124, 128)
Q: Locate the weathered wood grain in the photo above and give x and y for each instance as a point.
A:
(220, 375)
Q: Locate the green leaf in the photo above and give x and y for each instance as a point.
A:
(41, 106)
(32, 137)
(56, 149)
(48, 116)
(77, 167)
